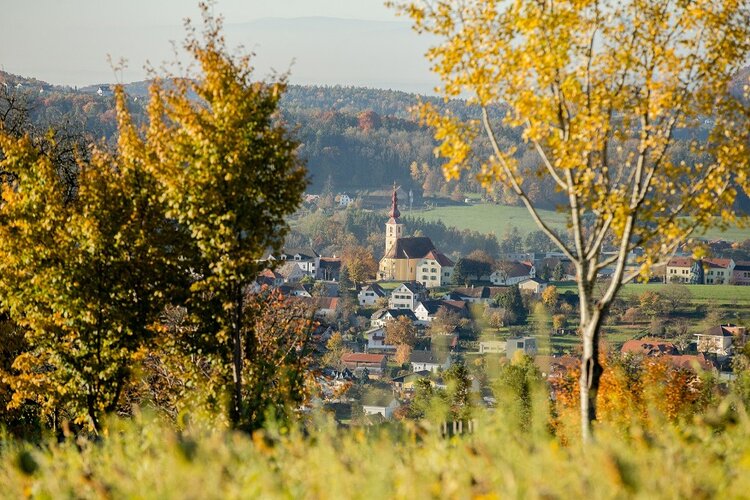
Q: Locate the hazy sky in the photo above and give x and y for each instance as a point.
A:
(352, 42)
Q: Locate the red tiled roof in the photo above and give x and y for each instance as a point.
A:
(360, 357)
(440, 258)
(648, 347)
(689, 361)
(680, 262)
(720, 263)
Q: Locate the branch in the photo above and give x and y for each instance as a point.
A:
(519, 190)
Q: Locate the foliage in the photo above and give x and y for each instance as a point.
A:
(599, 91)
(60, 257)
(400, 331)
(512, 302)
(549, 297)
(359, 263)
(335, 349)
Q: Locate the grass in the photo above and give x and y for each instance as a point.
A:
(503, 459)
(495, 219)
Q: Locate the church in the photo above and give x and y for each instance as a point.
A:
(412, 259)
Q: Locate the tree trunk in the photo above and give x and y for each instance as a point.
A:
(591, 373)
(236, 412)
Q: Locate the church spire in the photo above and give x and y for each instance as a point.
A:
(395, 214)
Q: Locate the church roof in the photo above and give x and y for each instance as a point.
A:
(410, 248)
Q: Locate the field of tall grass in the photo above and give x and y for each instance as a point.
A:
(507, 457)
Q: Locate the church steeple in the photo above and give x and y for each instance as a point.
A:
(393, 228)
(395, 214)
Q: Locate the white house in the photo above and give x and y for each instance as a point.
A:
(306, 258)
(382, 316)
(512, 273)
(533, 285)
(435, 269)
(407, 296)
(369, 295)
(374, 403)
(376, 339)
(718, 340)
(429, 360)
(343, 200)
(292, 272)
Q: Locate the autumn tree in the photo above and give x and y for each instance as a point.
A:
(597, 90)
(85, 277)
(359, 263)
(549, 297)
(229, 175)
(445, 322)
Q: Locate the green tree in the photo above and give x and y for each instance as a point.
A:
(230, 177)
(512, 302)
(597, 91)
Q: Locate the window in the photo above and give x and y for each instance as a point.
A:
(424, 278)
(433, 270)
(519, 345)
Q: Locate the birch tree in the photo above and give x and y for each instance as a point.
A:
(599, 90)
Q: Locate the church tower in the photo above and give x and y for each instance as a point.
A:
(393, 228)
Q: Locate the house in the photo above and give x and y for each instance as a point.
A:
(435, 270)
(741, 273)
(358, 361)
(649, 347)
(533, 285)
(306, 258)
(718, 271)
(270, 278)
(680, 270)
(708, 271)
(719, 340)
(343, 200)
(492, 346)
(526, 345)
(426, 310)
(512, 273)
(296, 290)
(380, 402)
(406, 382)
(329, 268)
(407, 296)
(413, 258)
(291, 272)
(429, 360)
(376, 339)
(479, 294)
(382, 316)
(369, 294)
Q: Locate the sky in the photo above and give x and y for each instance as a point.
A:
(348, 42)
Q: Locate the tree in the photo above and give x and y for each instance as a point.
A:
(559, 321)
(537, 241)
(359, 263)
(511, 242)
(230, 177)
(676, 296)
(651, 303)
(597, 90)
(400, 331)
(335, 349)
(85, 277)
(512, 301)
(445, 322)
(549, 297)
(461, 273)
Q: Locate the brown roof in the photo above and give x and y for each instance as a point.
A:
(720, 263)
(689, 361)
(360, 357)
(440, 258)
(680, 262)
(649, 347)
(410, 248)
(514, 268)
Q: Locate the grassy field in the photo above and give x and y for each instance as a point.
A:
(719, 294)
(495, 219)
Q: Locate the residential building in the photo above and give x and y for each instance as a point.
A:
(526, 345)
(343, 200)
(376, 339)
(382, 316)
(358, 361)
(719, 340)
(492, 346)
(479, 294)
(718, 271)
(379, 402)
(741, 273)
(649, 347)
(306, 258)
(429, 360)
(329, 268)
(407, 296)
(369, 295)
(512, 273)
(426, 310)
(292, 272)
(533, 285)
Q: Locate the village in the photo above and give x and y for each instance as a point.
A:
(427, 322)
